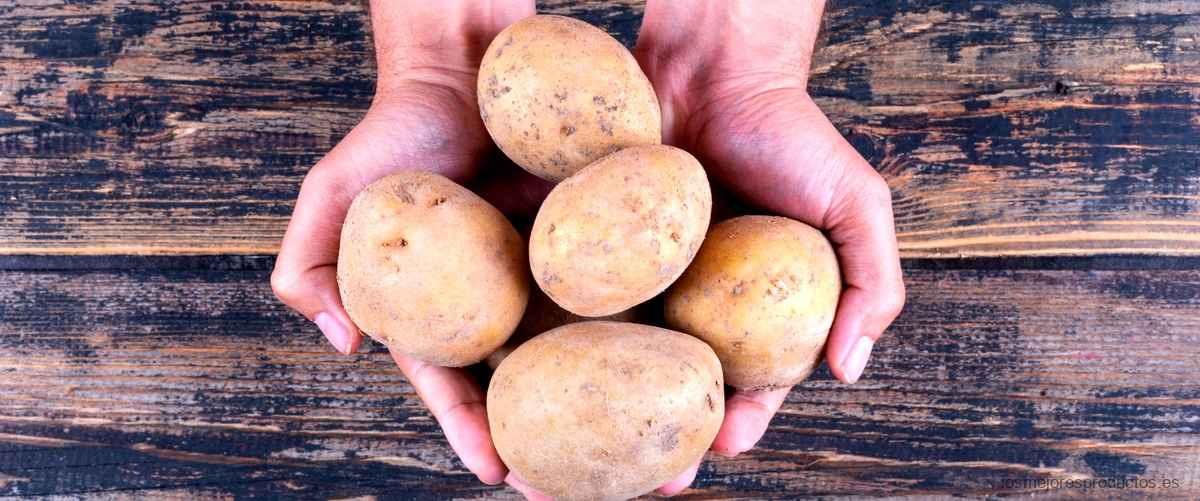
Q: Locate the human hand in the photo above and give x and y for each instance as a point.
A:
(424, 116)
(731, 78)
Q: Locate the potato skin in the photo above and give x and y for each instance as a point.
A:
(556, 93)
(543, 314)
(762, 292)
(431, 270)
(621, 230)
(605, 410)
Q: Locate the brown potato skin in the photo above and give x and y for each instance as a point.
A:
(556, 93)
(543, 314)
(762, 292)
(621, 230)
(431, 270)
(605, 410)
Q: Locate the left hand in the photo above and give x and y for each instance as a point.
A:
(423, 116)
(732, 78)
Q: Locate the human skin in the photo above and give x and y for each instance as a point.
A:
(731, 78)
(423, 116)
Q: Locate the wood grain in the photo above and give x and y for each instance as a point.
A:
(148, 127)
(200, 383)
(1005, 128)
(1025, 128)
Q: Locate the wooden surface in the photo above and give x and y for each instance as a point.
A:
(200, 380)
(150, 152)
(1006, 128)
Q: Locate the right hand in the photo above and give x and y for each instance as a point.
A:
(732, 79)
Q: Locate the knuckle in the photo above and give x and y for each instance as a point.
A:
(892, 302)
(323, 173)
(871, 193)
(283, 284)
(877, 192)
(328, 180)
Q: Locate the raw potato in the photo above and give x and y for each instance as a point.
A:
(605, 410)
(542, 315)
(621, 230)
(557, 93)
(762, 292)
(431, 270)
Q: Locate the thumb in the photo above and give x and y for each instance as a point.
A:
(314, 294)
(862, 231)
(811, 173)
(305, 275)
(861, 228)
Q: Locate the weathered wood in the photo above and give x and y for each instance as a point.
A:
(200, 382)
(167, 127)
(134, 131)
(1025, 128)
(1005, 128)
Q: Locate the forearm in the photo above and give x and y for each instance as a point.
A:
(419, 39)
(772, 34)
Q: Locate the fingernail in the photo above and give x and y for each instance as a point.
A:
(725, 453)
(856, 360)
(337, 334)
(516, 483)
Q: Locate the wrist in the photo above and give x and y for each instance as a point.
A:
(438, 43)
(727, 39)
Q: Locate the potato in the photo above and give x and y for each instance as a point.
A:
(431, 270)
(762, 292)
(605, 410)
(557, 93)
(621, 230)
(542, 315)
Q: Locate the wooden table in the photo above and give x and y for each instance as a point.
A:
(1044, 157)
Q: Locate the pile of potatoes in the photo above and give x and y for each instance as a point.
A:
(583, 408)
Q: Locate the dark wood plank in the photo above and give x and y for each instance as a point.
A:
(147, 127)
(200, 382)
(1005, 128)
(1025, 128)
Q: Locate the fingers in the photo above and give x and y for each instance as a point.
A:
(853, 204)
(747, 415)
(809, 172)
(678, 484)
(305, 275)
(862, 316)
(517, 193)
(862, 231)
(529, 492)
(671, 488)
(314, 293)
(458, 405)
